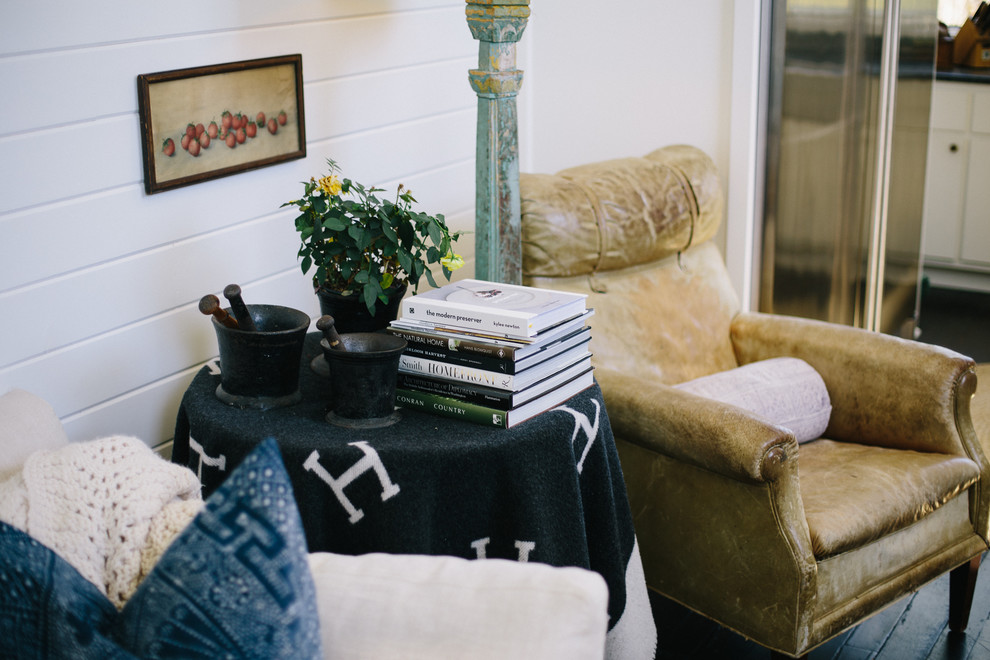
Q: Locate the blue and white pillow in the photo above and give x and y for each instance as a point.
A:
(235, 583)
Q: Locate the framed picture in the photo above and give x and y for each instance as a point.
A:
(207, 122)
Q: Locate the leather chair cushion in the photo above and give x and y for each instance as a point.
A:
(785, 391)
(854, 494)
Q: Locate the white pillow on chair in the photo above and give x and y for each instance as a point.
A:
(786, 391)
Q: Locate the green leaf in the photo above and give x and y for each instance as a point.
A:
(362, 237)
(334, 223)
(436, 234)
(429, 278)
(370, 294)
(405, 261)
(307, 263)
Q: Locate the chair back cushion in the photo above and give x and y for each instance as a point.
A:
(634, 234)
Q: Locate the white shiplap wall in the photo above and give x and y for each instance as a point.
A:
(99, 282)
(611, 80)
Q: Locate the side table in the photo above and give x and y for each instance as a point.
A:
(548, 490)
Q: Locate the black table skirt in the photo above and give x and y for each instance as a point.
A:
(548, 490)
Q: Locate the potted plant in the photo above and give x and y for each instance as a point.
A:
(367, 250)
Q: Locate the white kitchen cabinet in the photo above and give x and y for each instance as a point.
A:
(957, 185)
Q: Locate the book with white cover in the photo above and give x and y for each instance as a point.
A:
(508, 309)
(492, 343)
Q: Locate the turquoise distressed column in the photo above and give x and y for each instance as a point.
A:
(497, 25)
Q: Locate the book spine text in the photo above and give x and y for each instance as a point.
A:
(483, 396)
(418, 365)
(447, 407)
(492, 321)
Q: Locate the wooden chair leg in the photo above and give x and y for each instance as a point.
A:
(962, 584)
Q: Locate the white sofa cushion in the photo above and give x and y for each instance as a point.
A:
(786, 391)
(27, 424)
(433, 607)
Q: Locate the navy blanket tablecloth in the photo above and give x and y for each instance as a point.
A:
(548, 490)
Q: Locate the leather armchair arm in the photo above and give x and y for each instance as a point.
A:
(698, 471)
(884, 390)
(708, 434)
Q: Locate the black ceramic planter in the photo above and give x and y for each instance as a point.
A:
(260, 369)
(362, 379)
(351, 314)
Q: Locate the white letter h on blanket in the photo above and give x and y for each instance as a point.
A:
(370, 461)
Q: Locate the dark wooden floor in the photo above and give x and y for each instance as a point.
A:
(913, 628)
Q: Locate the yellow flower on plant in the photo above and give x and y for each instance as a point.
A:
(452, 261)
(330, 184)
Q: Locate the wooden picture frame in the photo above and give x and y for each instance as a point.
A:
(224, 102)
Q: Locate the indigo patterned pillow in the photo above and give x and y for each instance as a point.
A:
(47, 608)
(235, 583)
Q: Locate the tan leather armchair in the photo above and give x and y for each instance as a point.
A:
(786, 544)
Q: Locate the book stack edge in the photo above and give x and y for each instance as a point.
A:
(491, 353)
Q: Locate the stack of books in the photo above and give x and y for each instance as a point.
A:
(491, 353)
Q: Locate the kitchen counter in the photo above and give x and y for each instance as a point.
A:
(964, 74)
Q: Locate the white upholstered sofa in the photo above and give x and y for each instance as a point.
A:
(122, 523)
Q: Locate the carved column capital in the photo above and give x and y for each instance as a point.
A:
(497, 21)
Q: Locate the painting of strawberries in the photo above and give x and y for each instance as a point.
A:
(206, 122)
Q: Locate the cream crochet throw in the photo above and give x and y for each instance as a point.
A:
(110, 507)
